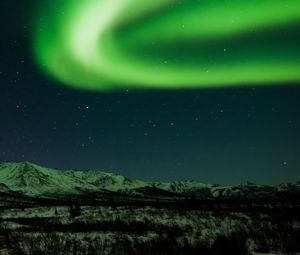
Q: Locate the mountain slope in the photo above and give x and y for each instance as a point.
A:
(33, 180)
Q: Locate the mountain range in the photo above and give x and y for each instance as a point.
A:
(36, 181)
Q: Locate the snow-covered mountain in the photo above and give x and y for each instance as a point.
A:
(33, 180)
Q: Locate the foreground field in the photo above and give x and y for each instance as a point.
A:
(131, 230)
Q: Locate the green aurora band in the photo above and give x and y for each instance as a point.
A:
(111, 44)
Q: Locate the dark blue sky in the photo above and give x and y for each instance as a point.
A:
(219, 136)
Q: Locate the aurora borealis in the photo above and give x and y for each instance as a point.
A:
(106, 45)
(155, 90)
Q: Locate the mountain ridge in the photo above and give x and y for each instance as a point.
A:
(34, 180)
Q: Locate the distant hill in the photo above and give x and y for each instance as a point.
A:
(36, 181)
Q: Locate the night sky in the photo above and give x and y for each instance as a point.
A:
(237, 120)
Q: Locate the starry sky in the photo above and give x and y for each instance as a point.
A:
(220, 106)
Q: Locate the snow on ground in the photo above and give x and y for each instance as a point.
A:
(185, 226)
